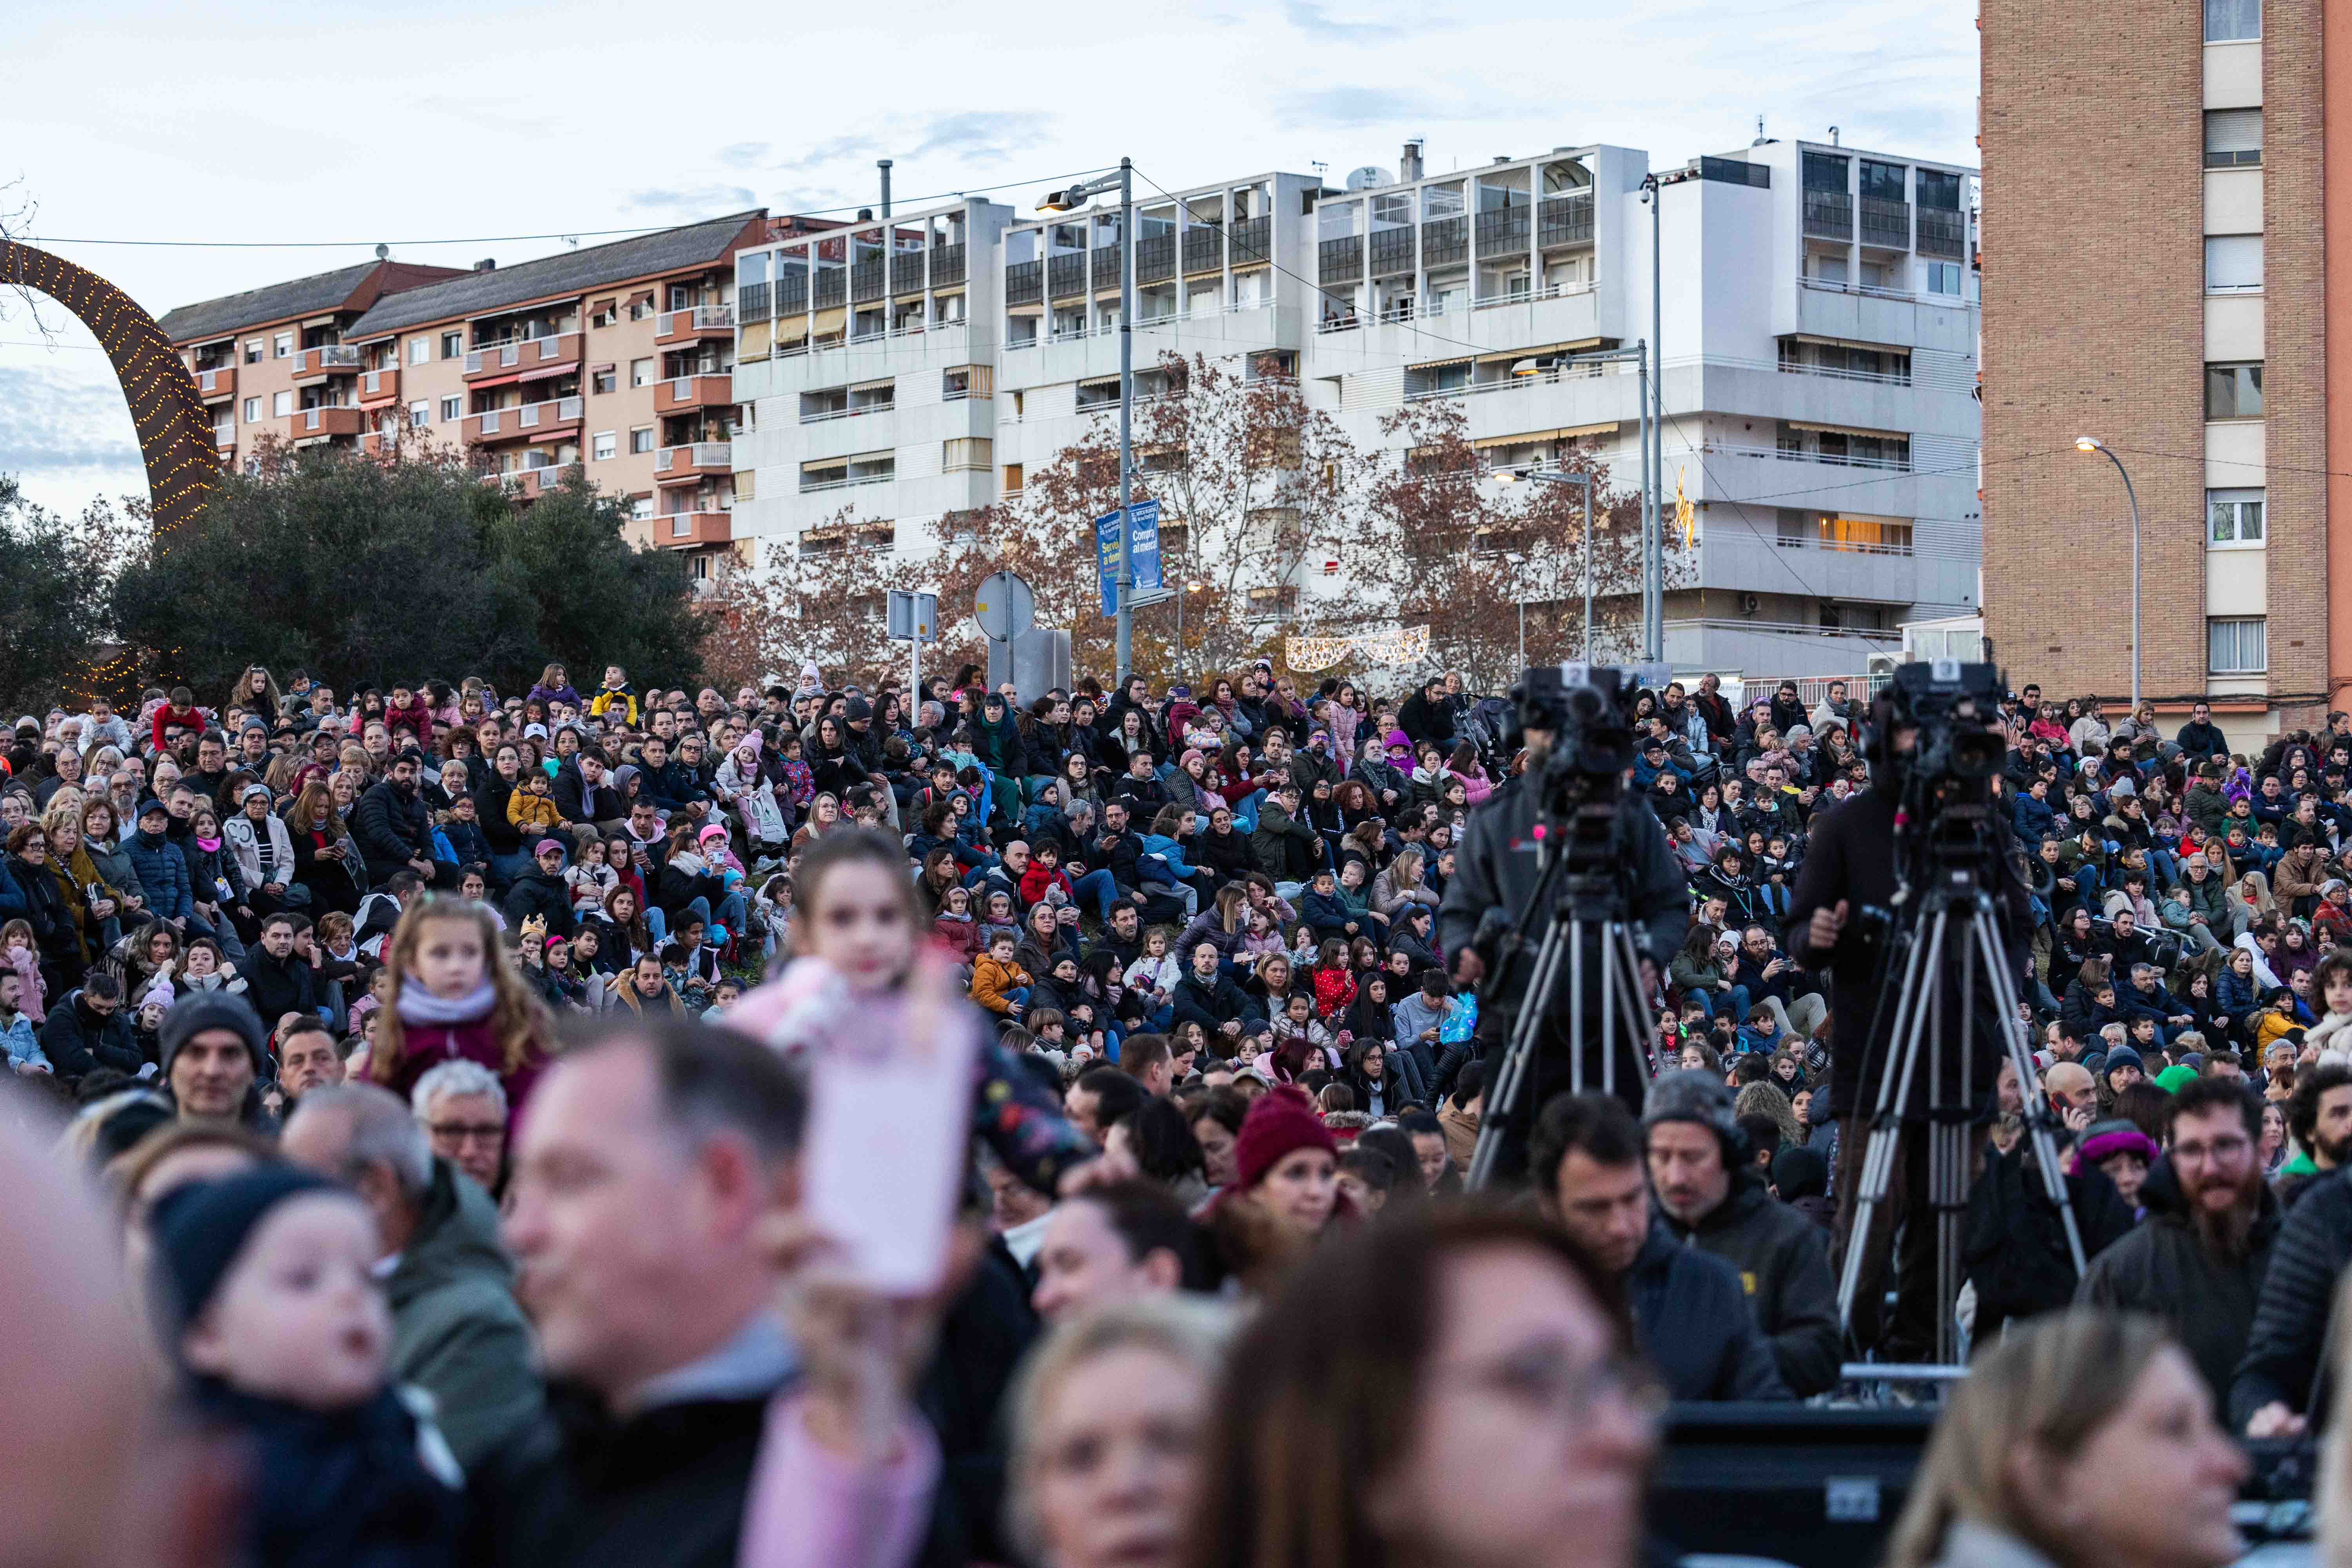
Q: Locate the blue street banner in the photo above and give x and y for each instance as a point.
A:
(1106, 560)
(1144, 545)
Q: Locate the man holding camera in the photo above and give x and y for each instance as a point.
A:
(1849, 868)
(1496, 870)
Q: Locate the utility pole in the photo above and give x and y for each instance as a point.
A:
(1126, 415)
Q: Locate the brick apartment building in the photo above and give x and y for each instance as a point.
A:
(2157, 196)
(618, 358)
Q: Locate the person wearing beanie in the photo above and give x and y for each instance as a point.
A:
(2122, 1151)
(212, 1058)
(1286, 1190)
(2172, 1077)
(1712, 1198)
(268, 1296)
(2123, 1068)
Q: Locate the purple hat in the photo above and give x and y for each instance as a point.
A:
(543, 845)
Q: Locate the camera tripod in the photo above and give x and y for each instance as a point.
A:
(1581, 885)
(1959, 919)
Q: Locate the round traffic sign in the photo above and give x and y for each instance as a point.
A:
(1003, 607)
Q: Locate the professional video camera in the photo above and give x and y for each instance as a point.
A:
(1946, 820)
(1588, 711)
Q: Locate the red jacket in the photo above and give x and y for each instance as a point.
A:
(1036, 881)
(1335, 991)
(417, 716)
(186, 718)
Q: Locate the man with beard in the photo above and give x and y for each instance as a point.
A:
(2271, 1394)
(2198, 1262)
(2319, 1119)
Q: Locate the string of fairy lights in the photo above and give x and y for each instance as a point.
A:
(174, 436)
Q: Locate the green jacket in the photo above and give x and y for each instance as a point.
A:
(457, 1333)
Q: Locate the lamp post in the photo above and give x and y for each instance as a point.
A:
(2092, 444)
(1065, 200)
(1583, 481)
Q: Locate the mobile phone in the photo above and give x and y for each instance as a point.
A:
(890, 1119)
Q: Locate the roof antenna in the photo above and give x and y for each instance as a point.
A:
(383, 253)
(1760, 138)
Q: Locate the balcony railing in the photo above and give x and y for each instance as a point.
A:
(490, 422)
(1942, 232)
(219, 382)
(1885, 224)
(326, 357)
(1829, 215)
(1444, 241)
(1873, 290)
(791, 298)
(811, 487)
(1503, 229)
(1024, 283)
(828, 416)
(1530, 296)
(1105, 267)
(1065, 275)
(383, 383)
(328, 418)
(832, 287)
(947, 264)
(1340, 260)
(1392, 251)
(695, 318)
(1253, 241)
(1798, 455)
(1205, 248)
(866, 279)
(1565, 220)
(907, 272)
(697, 454)
(754, 302)
(522, 353)
(1155, 258)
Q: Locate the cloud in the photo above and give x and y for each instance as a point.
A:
(1312, 18)
(743, 154)
(1349, 108)
(52, 419)
(694, 198)
(833, 148)
(980, 136)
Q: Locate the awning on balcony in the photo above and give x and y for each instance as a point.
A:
(1849, 431)
(603, 369)
(1580, 346)
(873, 385)
(1848, 343)
(1565, 433)
(835, 319)
(793, 330)
(756, 336)
(1448, 364)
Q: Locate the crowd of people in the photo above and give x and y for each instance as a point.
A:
(443, 1060)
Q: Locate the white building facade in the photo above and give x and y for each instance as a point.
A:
(1819, 345)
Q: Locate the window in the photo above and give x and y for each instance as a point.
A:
(606, 444)
(420, 413)
(1944, 278)
(641, 372)
(253, 411)
(253, 350)
(605, 380)
(2237, 646)
(2233, 517)
(2233, 391)
(965, 452)
(453, 408)
(640, 309)
(420, 350)
(283, 346)
(453, 345)
(641, 507)
(606, 314)
(1824, 172)
(282, 404)
(2233, 138)
(641, 439)
(1938, 189)
(2234, 264)
(2226, 20)
(1012, 478)
(1883, 182)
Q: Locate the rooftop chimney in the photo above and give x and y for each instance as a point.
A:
(884, 165)
(487, 264)
(1409, 166)
(865, 214)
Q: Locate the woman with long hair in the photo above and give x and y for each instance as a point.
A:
(2021, 1470)
(1448, 1386)
(326, 858)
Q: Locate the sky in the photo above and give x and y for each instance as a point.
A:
(451, 129)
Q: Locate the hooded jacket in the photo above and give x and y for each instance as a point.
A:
(391, 829)
(1783, 1262)
(2164, 1267)
(457, 1332)
(1692, 1321)
(79, 1041)
(162, 875)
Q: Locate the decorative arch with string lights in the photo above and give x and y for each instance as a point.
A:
(175, 436)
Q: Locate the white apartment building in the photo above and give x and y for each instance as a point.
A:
(1819, 329)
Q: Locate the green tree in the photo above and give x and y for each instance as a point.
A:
(53, 599)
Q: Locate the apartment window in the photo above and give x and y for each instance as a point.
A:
(2233, 517)
(452, 408)
(283, 347)
(1883, 182)
(2234, 264)
(640, 309)
(420, 413)
(420, 350)
(1012, 478)
(1824, 172)
(253, 411)
(253, 350)
(2239, 645)
(607, 442)
(641, 507)
(2233, 391)
(1938, 189)
(965, 452)
(2233, 138)
(453, 345)
(641, 372)
(282, 404)
(604, 380)
(1944, 278)
(605, 316)
(2228, 20)
(641, 439)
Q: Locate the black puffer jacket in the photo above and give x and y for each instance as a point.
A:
(391, 829)
(1783, 1259)
(2164, 1269)
(2287, 1345)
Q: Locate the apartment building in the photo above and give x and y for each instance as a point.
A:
(2151, 212)
(1819, 335)
(615, 358)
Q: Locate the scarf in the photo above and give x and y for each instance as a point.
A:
(420, 1008)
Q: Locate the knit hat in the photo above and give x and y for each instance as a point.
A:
(2123, 1057)
(249, 791)
(1692, 1094)
(201, 1010)
(1188, 758)
(1799, 1172)
(1279, 1122)
(2172, 1077)
(710, 832)
(857, 708)
(200, 1227)
(2117, 1136)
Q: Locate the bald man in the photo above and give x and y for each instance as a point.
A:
(92, 1475)
(2073, 1094)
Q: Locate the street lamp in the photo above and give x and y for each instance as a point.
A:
(1065, 200)
(2092, 444)
(1584, 482)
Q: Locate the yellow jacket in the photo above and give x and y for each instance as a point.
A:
(605, 701)
(990, 981)
(532, 810)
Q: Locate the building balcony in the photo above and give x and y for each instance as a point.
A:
(1943, 232)
(530, 422)
(527, 484)
(379, 442)
(1564, 220)
(225, 438)
(213, 386)
(379, 386)
(685, 394)
(326, 359)
(693, 323)
(689, 530)
(524, 356)
(1829, 215)
(1885, 224)
(322, 422)
(698, 460)
(1253, 241)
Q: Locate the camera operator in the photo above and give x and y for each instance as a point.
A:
(1850, 867)
(1496, 870)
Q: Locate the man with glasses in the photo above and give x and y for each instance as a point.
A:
(2198, 1262)
(464, 1112)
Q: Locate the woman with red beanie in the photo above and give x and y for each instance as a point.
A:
(1286, 1190)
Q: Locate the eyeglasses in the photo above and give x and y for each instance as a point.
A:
(468, 1132)
(1543, 1379)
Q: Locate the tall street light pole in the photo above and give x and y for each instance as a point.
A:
(1062, 201)
(1583, 482)
(2092, 444)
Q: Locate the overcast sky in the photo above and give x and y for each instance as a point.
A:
(421, 121)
